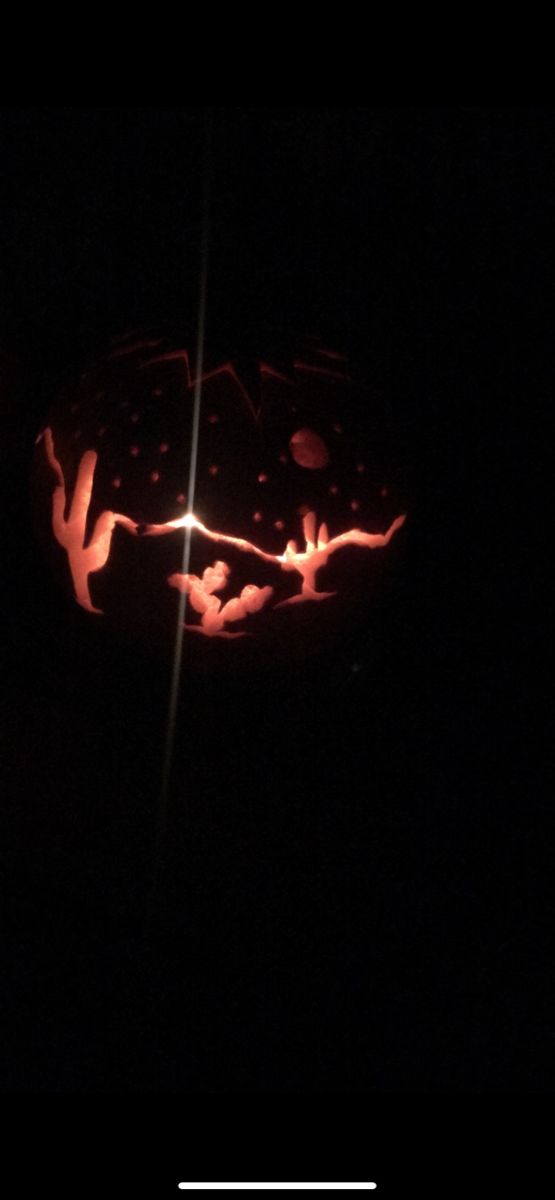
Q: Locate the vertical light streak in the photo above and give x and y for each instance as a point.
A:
(197, 397)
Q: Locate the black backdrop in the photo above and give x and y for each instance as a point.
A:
(343, 907)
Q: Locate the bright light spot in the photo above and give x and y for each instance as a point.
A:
(262, 478)
(181, 499)
(189, 521)
(334, 489)
(355, 505)
(116, 482)
(154, 476)
(257, 516)
(134, 451)
(278, 524)
(164, 447)
(213, 470)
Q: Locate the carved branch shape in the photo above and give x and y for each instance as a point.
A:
(70, 531)
(203, 600)
(307, 562)
(317, 552)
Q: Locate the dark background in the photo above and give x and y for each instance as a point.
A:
(351, 899)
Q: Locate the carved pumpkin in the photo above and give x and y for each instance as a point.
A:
(282, 504)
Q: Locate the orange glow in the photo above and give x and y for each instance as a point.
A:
(70, 531)
(307, 562)
(88, 555)
(309, 450)
(202, 599)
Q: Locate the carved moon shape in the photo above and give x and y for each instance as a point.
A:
(309, 450)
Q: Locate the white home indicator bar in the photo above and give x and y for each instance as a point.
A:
(330, 1187)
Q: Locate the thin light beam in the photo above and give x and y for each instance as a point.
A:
(197, 396)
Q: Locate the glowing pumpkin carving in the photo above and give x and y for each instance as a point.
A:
(279, 498)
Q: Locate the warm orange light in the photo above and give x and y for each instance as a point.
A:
(70, 531)
(307, 562)
(202, 599)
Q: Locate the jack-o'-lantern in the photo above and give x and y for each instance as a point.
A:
(245, 502)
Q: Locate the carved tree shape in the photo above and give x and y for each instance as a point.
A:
(307, 562)
(70, 531)
(202, 599)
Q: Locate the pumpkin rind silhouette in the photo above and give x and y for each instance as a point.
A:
(281, 502)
